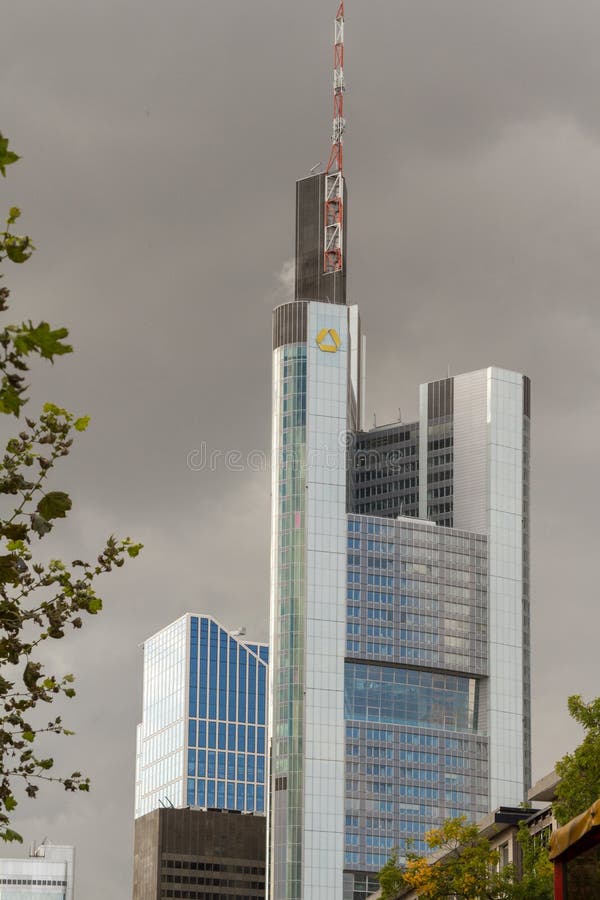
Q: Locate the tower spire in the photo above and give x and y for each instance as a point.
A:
(336, 156)
(334, 177)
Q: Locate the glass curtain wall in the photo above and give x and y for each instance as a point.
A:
(288, 578)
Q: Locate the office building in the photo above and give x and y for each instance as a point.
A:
(47, 874)
(202, 739)
(399, 606)
(199, 854)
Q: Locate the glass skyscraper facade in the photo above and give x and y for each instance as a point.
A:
(399, 609)
(202, 740)
(415, 700)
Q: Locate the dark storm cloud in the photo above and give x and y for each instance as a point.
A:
(161, 144)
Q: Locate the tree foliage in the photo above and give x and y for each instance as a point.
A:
(39, 598)
(579, 771)
(467, 868)
(534, 880)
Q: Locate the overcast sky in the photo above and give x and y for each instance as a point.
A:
(160, 145)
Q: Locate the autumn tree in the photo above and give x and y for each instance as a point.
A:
(39, 598)
(465, 867)
(579, 771)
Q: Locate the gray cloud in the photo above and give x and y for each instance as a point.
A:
(161, 144)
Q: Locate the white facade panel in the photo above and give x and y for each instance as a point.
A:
(488, 498)
(471, 452)
(327, 414)
(423, 429)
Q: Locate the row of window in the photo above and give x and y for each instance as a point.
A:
(374, 580)
(440, 444)
(376, 860)
(226, 765)
(225, 795)
(194, 865)
(443, 475)
(226, 736)
(203, 895)
(385, 469)
(216, 882)
(390, 487)
(388, 531)
(422, 740)
(382, 615)
(445, 491)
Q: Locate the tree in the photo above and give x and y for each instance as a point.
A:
(535, 881)
(39, 598)
(579, 771)
(467, 868)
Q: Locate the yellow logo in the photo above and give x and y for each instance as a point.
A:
(328, 340)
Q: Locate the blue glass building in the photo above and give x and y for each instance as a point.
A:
(202, 739)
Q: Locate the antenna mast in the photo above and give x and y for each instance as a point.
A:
(334, 174)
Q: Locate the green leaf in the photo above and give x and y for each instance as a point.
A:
(10, 401)
(82, 423)
(28, 736)
(134, 550)
(7, 157)
(40, 525)
(14, 531)
(43, 340)
(13, 214)
(18, 249)
(54, 505)
(10, 803)
(55, 410)
(15, 545)
(9, 573)
(9, 834)
(94, 606)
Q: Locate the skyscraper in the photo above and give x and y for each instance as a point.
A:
(399, 635)
(202, 739)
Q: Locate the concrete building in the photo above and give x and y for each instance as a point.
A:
(199, 854)
(48, 874)
(202, 739)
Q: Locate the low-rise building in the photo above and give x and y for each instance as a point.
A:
(201, 854)
(47, 874)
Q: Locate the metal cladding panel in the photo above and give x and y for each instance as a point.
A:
(488, 498)
(471, 475)
(325, 603)
(311, 281)
(289, 324)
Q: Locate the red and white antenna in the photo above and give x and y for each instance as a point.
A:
(334, 174)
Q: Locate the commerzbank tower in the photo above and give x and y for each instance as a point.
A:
(399, 631)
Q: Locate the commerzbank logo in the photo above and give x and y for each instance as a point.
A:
(328, 340)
